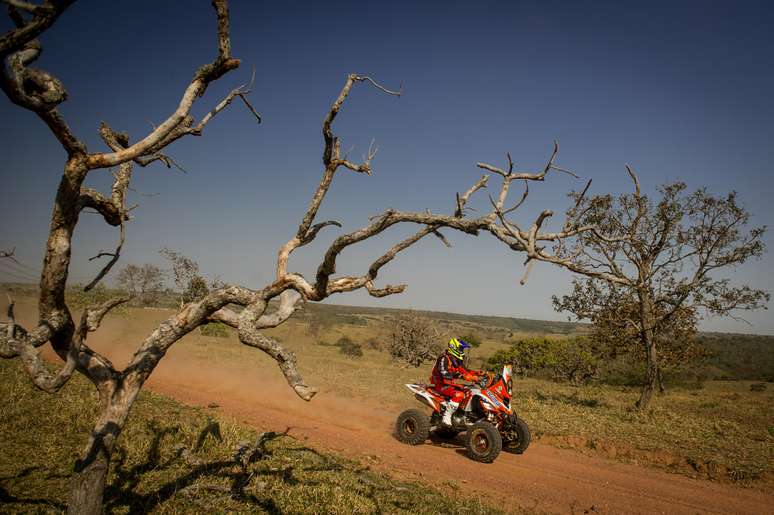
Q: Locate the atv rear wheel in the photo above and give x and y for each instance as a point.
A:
(518, 437)
(483, 442)
(412, 427)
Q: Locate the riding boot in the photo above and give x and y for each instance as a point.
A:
(451, 407)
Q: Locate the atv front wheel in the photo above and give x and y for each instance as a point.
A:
(483, 442)
(518, 437)
(412, 427)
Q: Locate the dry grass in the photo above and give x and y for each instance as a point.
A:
(722, 431)
(42, 435)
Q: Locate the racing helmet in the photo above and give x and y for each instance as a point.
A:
(457, 348)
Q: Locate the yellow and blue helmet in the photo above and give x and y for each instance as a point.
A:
(457, 348)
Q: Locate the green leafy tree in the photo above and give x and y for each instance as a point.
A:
(653, 263)
(616, 333)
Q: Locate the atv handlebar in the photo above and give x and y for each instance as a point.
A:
(485, 379)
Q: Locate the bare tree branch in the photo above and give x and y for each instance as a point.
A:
(178, 123)
(114, 257)
(44, 16)
(31, 88)
(380, 87)
(332, 160)
(463, 200)
(285, 359)
(93, 315)
(24, 6)
(9, 254)
(289, 303)
(23, 345)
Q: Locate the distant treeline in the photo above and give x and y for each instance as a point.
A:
(739, 356)
(352, 315)
(726, 357)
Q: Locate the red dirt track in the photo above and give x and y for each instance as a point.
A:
(544, 478)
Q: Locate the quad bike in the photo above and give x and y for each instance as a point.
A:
(485, 414)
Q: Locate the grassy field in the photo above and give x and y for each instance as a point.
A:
(176, 459)
(722, 431)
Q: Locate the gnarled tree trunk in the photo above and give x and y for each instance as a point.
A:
(648, 337)
(87, 485)
(88, 480)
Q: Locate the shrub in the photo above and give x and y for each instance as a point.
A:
(414, 339)
(343, 318)
(215, 329)
(575, 360)
(349, 348)
(472, 339)
(196, 289)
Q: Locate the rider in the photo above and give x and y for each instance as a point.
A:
(448, 367)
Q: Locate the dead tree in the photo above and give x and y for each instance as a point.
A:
(656, 265)
(415, 339)
(40, 92)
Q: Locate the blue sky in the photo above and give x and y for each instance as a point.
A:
(680, 90)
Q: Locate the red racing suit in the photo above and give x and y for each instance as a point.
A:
(448, 368)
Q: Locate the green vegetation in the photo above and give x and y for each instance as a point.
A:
(738, 357)
(196, 289)
(79, 299)
(568, 359)
(472, 338)
(724, 357)
(215, 329)
(346, 346)
(175, 459)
